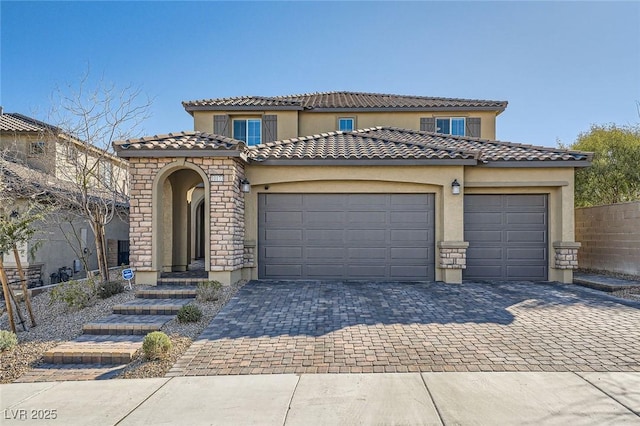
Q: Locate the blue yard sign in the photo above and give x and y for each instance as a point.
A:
(127, 274)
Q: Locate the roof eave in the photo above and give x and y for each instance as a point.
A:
(534, 163)
(191, 108)
(363, 162)
(402, 109)
(157, 153)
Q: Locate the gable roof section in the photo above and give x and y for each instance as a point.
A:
(340, 101)
(181, 144)
(14, 122)
(389, 143)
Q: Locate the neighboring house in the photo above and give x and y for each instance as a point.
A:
(394, 200)
(35, 154)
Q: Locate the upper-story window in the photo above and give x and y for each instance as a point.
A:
(346, 124)
(450, 126)
(37, 148)
(248, 131)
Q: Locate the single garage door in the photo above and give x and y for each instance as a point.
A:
(346, 236)
(507, 237)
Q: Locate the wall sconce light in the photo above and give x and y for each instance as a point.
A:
(245, 186)
(455, 187)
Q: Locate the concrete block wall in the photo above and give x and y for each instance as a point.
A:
(610, 237)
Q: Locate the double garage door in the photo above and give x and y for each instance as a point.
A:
(391, 237)
(346, 236)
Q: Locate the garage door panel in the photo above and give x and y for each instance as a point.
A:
(283, 235)
(314, 253)
(322, 218)
(526, 237)
(324, 270)
(287, 218)
(484, 253)
(347, 236)
(375, 254)
(274, 252)
(482, 219)
(532, 254)
(360, 217)
(284, 271)
(327, 235)
(528, 219)
(410, 253)
(484, 236)
(409, 272)
(507, 236)
(526, 201)
(366, 235)
(526, 272)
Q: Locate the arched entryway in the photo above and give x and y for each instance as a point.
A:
(179, 220)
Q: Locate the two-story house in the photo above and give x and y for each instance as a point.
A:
(350, 186)
(38, 153)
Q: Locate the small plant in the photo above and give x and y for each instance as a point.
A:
(189, 313)
(8, 340)
(156, 345)
(75, 294)
(110, 288)
(208, 290)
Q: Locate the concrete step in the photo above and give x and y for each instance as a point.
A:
(167, 292)
(151, 306)
(118, 324)
(92, 349)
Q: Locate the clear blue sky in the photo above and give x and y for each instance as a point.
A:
(561, 66)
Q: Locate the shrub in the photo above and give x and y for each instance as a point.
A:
(208, 290)
(110, 288)
(156, 345)
(8, 340)
(189, 313)
(76, 294)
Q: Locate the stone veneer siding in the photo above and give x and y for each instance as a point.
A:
(226, 211)
(453, 255)
(566, 258)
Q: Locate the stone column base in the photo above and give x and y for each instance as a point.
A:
(452, 259)
(566, 254)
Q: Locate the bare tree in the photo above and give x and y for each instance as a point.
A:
(87, 122)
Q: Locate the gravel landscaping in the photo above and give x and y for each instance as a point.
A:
(56, 324)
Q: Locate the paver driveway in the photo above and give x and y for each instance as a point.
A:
(319, 327)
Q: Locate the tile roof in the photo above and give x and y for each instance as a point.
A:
(191, 141)
(356, 145)
(14, 122)
(488, 150)
(395, 143)
(340, 100)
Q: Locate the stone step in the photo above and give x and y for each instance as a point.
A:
(167, 292)
(151, 306)
(92, 349)
(181, 281)
(118, 324)
(68, 372)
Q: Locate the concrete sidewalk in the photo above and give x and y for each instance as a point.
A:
(331, 399)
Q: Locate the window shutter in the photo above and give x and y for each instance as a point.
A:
(269, 128)
(427, 124)
(473, 127)
(221, 125)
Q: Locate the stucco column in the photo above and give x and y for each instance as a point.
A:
(179, 258)
(451, 248)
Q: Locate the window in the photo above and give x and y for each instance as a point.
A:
(248, 131)
(346, 124)
(106, 171)
(36, 148)
(450, 126)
